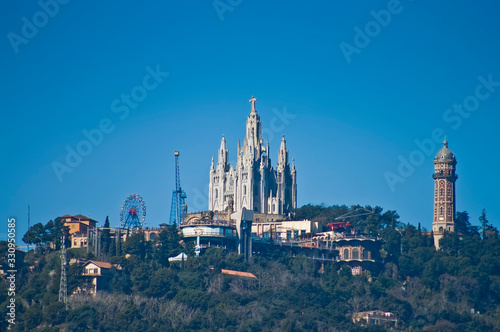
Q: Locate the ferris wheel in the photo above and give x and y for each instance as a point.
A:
(133, 213)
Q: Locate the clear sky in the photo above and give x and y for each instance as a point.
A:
(354, 86)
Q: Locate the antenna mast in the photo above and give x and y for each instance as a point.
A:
(63, 286)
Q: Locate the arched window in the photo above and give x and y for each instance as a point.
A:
(440, 229)
(346, 253)
(441, 192)
(449, 210)
(355, 253)
(216, 193)
(244, 190)
(365, 254)
(441, 211)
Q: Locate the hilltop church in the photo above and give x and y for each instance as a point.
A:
(253, 184)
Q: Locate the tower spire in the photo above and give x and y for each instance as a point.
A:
(223, 154)
(282, 154)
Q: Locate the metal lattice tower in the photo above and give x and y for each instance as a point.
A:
(63, 286)
(178, 207)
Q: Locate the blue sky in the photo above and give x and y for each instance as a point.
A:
(352, 104)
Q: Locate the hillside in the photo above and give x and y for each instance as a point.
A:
(427, 290)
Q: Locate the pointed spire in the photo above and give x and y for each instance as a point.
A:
(283, 143)
(445, 142)
(293, 164)
(223, 154)
(282, 154)
(223, 143)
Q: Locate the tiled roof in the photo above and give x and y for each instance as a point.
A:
(238, 273)
(81, 216)
(104, 265)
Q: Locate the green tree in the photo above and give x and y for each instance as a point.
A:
(137, 245)
(168, 241)
(35, 235)
(106, 241)
(486, 227)
(463, 226)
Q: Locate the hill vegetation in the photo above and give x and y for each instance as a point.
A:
(428, 290)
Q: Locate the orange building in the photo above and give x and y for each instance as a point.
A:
(78, 227)
(78, 223)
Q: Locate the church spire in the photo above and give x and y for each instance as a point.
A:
(282, 155)
(253, 140)
(223, 154)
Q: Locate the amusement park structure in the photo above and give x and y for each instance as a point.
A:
(178, 208)
(133, 212)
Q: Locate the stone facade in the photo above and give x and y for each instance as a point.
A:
(253, 184)
(444, 193)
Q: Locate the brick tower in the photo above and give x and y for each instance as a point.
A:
(444, 193)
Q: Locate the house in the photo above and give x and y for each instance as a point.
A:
(376, 317)
(97, 276)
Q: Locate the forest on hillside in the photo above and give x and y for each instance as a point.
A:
(454, 289)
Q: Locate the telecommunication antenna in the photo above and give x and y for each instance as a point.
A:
(63, 286)
(29, 223)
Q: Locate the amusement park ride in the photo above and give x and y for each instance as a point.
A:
(178, 208)
(133, 213)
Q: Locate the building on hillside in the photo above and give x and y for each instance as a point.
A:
(376, 317)
(359, 252)
(97, 276)
(253, 183)
(444, 193)
(78, 225)
(285, 229)
(220, 229)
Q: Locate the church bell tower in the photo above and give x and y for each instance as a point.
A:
(444, 193)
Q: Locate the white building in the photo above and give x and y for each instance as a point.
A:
(253, 184)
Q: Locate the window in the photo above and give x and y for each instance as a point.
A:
(244, 190)
(440, 229)
(216, 193)
(346, 253)
(365, 254)
(441, 211)
(441, 192)
(355, 253)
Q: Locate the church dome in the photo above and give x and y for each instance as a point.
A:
(444, 153)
